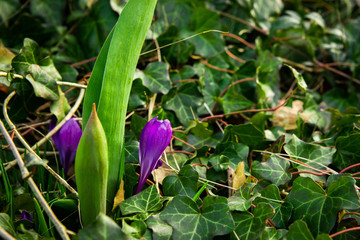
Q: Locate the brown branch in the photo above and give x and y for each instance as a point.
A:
(314, 173)
(184, 142)
(227, 88)
(186, 80)
(250, 110)
(349, 167)
(216, 68)
(265, 32)
(240, 39)
(230, 54)
(331, 69)
(83, 62)
(344, 231)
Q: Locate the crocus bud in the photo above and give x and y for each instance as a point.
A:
(66, 141)
(91, 170)
(154, 138)
(25, 215)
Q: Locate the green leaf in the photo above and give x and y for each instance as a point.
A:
(233, 101)
(60, 107)
(184, 184)
(143, 202)
(190, 222)
(283, 210)
(131, 149)
(243, 199)
(299, 230)
(160, 229)
(319, 208)
(347, 151)
(184, 102)
(178, 53)
(137, 230)
(112, 79)
(8, 8)
(5, 223)
(270, 233)
(103, 228)
(313, 155)
(250, 225)
(156, 77)
(299, 78)
(50, 11)
(340, 99)
(236, 152)
(94, 27)
(273, 170)
(40, 72)
(247, 134)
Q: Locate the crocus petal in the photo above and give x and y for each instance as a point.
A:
(66, 141)
(25, 215)
(154, 138)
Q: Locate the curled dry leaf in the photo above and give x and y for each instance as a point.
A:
(286, 116)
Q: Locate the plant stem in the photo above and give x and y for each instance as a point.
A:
(25, 173)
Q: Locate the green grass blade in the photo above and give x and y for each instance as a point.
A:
(40, 223)
(122, 57)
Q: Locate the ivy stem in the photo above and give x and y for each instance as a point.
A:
(344, 231)
(349, 167)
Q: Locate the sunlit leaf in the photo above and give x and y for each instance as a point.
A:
(190, 222)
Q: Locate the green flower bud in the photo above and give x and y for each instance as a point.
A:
(91, 170)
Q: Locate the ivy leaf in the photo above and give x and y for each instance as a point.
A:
(348, 151)
(242, 200)
(184, 102)
(50, 11)
(156, 77)
(270, 233)
(103, 228)
(299, 230)
(233, 101)
(250, 225)
(184, 184)
(206, 45)
(319, 208)
(41, 73)
(247, 134)
(131, 151)
(177, 53)
(315, 156)
(283, 210)
(143, 202)
(160, 229)
(299, 78)
(60, 107)
(190, 222)
(273, 170)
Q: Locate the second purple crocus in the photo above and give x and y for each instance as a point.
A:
(154, 138)
(66, 141)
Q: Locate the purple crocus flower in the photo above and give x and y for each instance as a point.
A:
(66, 141)
(25, 215)
(154, 138)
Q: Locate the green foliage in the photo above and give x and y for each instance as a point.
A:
(189, 222)
(113, 77)
(271, 84)
(317, 207)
